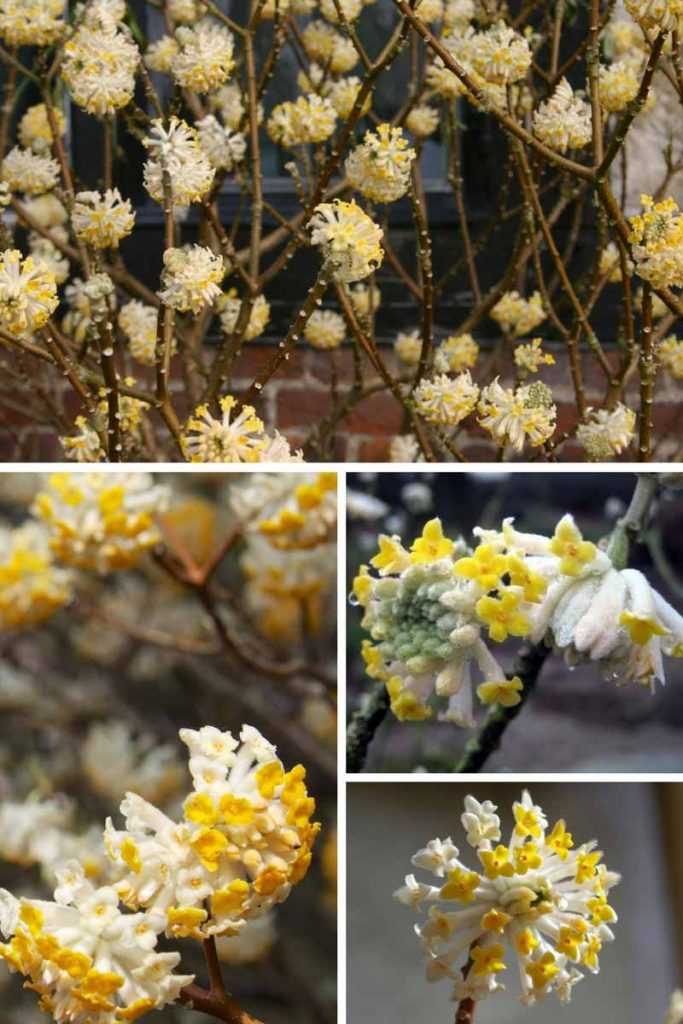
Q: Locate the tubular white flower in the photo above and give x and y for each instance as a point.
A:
(28, 293)
(229, 305)
(30, 22)
(564, 121)
(325, 329)
(32, 587)
(606, 433)
(98, 521)
(380, 167)
(538, 898)
(517, 417)
(224, 147)
(241, 438)
(446, 401)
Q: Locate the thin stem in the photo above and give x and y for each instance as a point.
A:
(647, 368)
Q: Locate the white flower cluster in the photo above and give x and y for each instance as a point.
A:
(176, 151)
(380, 167)
(228, 438)
(99, 67)
(539, 898)
(564, 121)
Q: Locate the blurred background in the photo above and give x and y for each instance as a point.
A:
(574, 720)
(640, 829)
(91, 703)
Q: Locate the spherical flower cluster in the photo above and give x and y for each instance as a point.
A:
(530, 358)
(32, 587)
(34, 128)
(310, 119)
(329, 48)
(344, 93)
(101, 522)
(85, 958)
(349, 239)
(205, 57)
(443, 81)
(670, 355)
(227, 101)
(90, 302)
(459, 13)
(30, 22)
(365, 299)
(538, 898)
(564, 121)
(191, 277)
(517, 316)
(138, 323)
(295, 513)
(177, 151)
(422, 120)
(446, 401)
(500, 55)
(349, 8)
(185, 12)
(456, 353)
(606, 433)
(619, 83)
(26, 171)
(404, 448)
(656, 238)
(28, 293)
(325, 329)
(99, 68)
(516, 417)
(229, 306)
(245, 842)
(427, 611)
(102, 219)
(47, 211)
(226, 439)
(408, 346)
(380, 167)
(159, 55)
(224, 147)
(657, 15)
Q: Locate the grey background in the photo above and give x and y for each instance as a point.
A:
(388, 822)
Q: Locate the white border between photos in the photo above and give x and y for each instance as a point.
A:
(343, 470)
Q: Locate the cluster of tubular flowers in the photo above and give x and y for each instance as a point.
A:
(176, 152)
(408, 346)
(422, 120)
(85, 445)
(446, 401)
(191, 277)
(404, 448)
(245, 840)
(618, 85)
(606, 433)
(593, 611)
(657, 15)
(204, 60)
(344, 93)
(85, 958)
(500, 55)
(348, 238)
(99, 68)
(138, 323)
(30, 22)
(516, 315)
(230, 438)
(309, 119)
(656, 238)
(32, 587)
(539, 899)
(610, 263)
(99, 522)
(102, 219)
(329, 48)
(229, 305)
(426, 612)
(34, 130)
(325, 329)
(525, 415)
(380, 167)
(564, 121)
(29, 172)
(530, 357)
(670, 355)
(28, 293)
(297, 513)
(456, 353)
(224, 147)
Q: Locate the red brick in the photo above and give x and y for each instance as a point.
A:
(379, 414)
(301, 406)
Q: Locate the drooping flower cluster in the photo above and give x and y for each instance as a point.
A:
(456, 353)
(245, 840)
(240, 438)
(564, 121)
(325, 329)
(657, 15)
(35, 131)
(348, 238)
(309, 119)
(525, 415)
(539, 899)
(380, 167)
(29, 172)
(224, 147)
(101, 522)
(530, 358)
(32, 587)
(138, 323)
(657, 242)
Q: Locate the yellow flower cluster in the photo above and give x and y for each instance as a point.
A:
(349, 239)
(656, 238)
(32, 587)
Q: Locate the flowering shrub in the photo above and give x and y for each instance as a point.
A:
(131, 604)
(161, 366)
